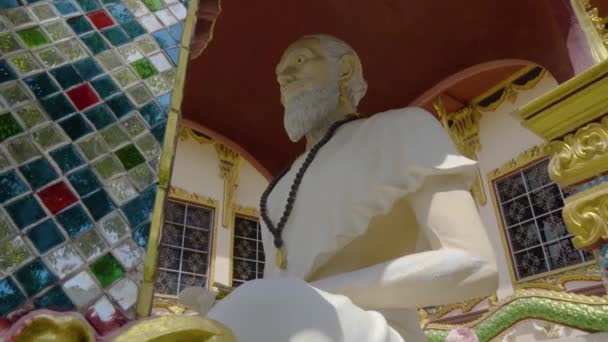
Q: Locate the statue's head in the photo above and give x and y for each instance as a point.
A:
(318, 74)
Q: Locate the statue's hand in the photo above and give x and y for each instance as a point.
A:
(198, 298)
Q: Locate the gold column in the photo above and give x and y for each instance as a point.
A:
(573, 118)
(230, 170)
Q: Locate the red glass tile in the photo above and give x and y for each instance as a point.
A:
(101, 19)
(83, 96)
(57, 197)
(104, 317)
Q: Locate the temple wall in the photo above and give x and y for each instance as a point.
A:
(196, 170)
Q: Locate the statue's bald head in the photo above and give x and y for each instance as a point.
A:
(315, 73)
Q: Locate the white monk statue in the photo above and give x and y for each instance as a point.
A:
(373, 221)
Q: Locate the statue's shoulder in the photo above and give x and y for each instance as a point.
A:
(408, 121)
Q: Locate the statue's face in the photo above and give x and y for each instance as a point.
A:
(309, 87)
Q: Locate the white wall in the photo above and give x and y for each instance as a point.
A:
(196, 170)
(502, 138)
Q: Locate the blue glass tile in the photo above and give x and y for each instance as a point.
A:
(75, 126)
(34, 277)
(6, 72)
(67, 158)
(25, 211)
(84, 181)
(176, 31)
(66, 76)
(99, 204)
(104, 86)
(133, 28)
(120, 105)
(38, 173)
(141, 235)
(100, 116)
(87, 68)
(11, 186)
(74, 220)
(88, 5)
(152, 113)
(11, 297)
(165, 101)
(45, 236)
(65, 7)
(159, 133)
(136, 211)
(41, 84)
(164, 39)
(8, 4)
(58, 106)
(54, 299)
(80, 24)
(173, 54)
(94, 42)
(120, 13)
(116, 36)
(148, 196)
(110, 1)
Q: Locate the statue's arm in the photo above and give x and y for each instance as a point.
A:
(460, 266)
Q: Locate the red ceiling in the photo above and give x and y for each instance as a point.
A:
(406, 46)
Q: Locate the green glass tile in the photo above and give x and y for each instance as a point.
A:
(71, 49)
(107, 270)
(22, 149)
(88, 5)
(90, 245)
(107, 167)
(124, 77)
(58, 30)
(8, 43)
(94, 42)
(51, 57)
(133, 28)
(142, 176)
(147, 45)
(130, 157)
(136, 7)
(93, 147)
(33, 37)
(17, 16)
(158, 84)
(8, 126)
(25, 63)
(116, 36)
(140, 94)
(3, 26)
(134, 125)
(7, 228)
(113, 228)
(48, 137)
(144, 68)
(154, 5)
(14, 253)
(14, 93)
(169, 76)
(43, 12)
(31, 115)
(4, 162)
(121, 189)
(148, 146)
(109, 60)
(114, 136)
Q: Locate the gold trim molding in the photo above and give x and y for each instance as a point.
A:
(434, 313)
(594, 27)
(586, 216)
(589, 271)
(230, 171)
(183, 195)
(186, 133)
(581, 155)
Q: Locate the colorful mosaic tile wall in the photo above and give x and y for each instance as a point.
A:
(85, 87)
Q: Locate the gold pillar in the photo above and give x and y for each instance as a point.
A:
(573, 118)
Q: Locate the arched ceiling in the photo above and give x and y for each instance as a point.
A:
(407, 47)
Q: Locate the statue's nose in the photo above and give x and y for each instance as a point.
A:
(285, 78)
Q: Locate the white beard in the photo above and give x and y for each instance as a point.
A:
(307, 110)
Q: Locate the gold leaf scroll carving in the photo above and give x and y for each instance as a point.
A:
(586, 216)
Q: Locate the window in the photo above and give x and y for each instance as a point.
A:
(184, 253)
(247, 250)
(531, 209)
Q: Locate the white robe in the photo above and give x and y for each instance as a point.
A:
(360, 173)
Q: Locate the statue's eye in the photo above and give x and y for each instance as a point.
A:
(300, 59)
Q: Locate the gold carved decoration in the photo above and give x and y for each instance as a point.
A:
(434, 313)
(586, 216)
(581, 155)
(597, 33)
(183, 195)
(230, 169)
(556, 282)
(186, 133)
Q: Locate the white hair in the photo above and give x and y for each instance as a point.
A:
(334, 49)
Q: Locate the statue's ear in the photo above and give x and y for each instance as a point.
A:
(346, 65)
